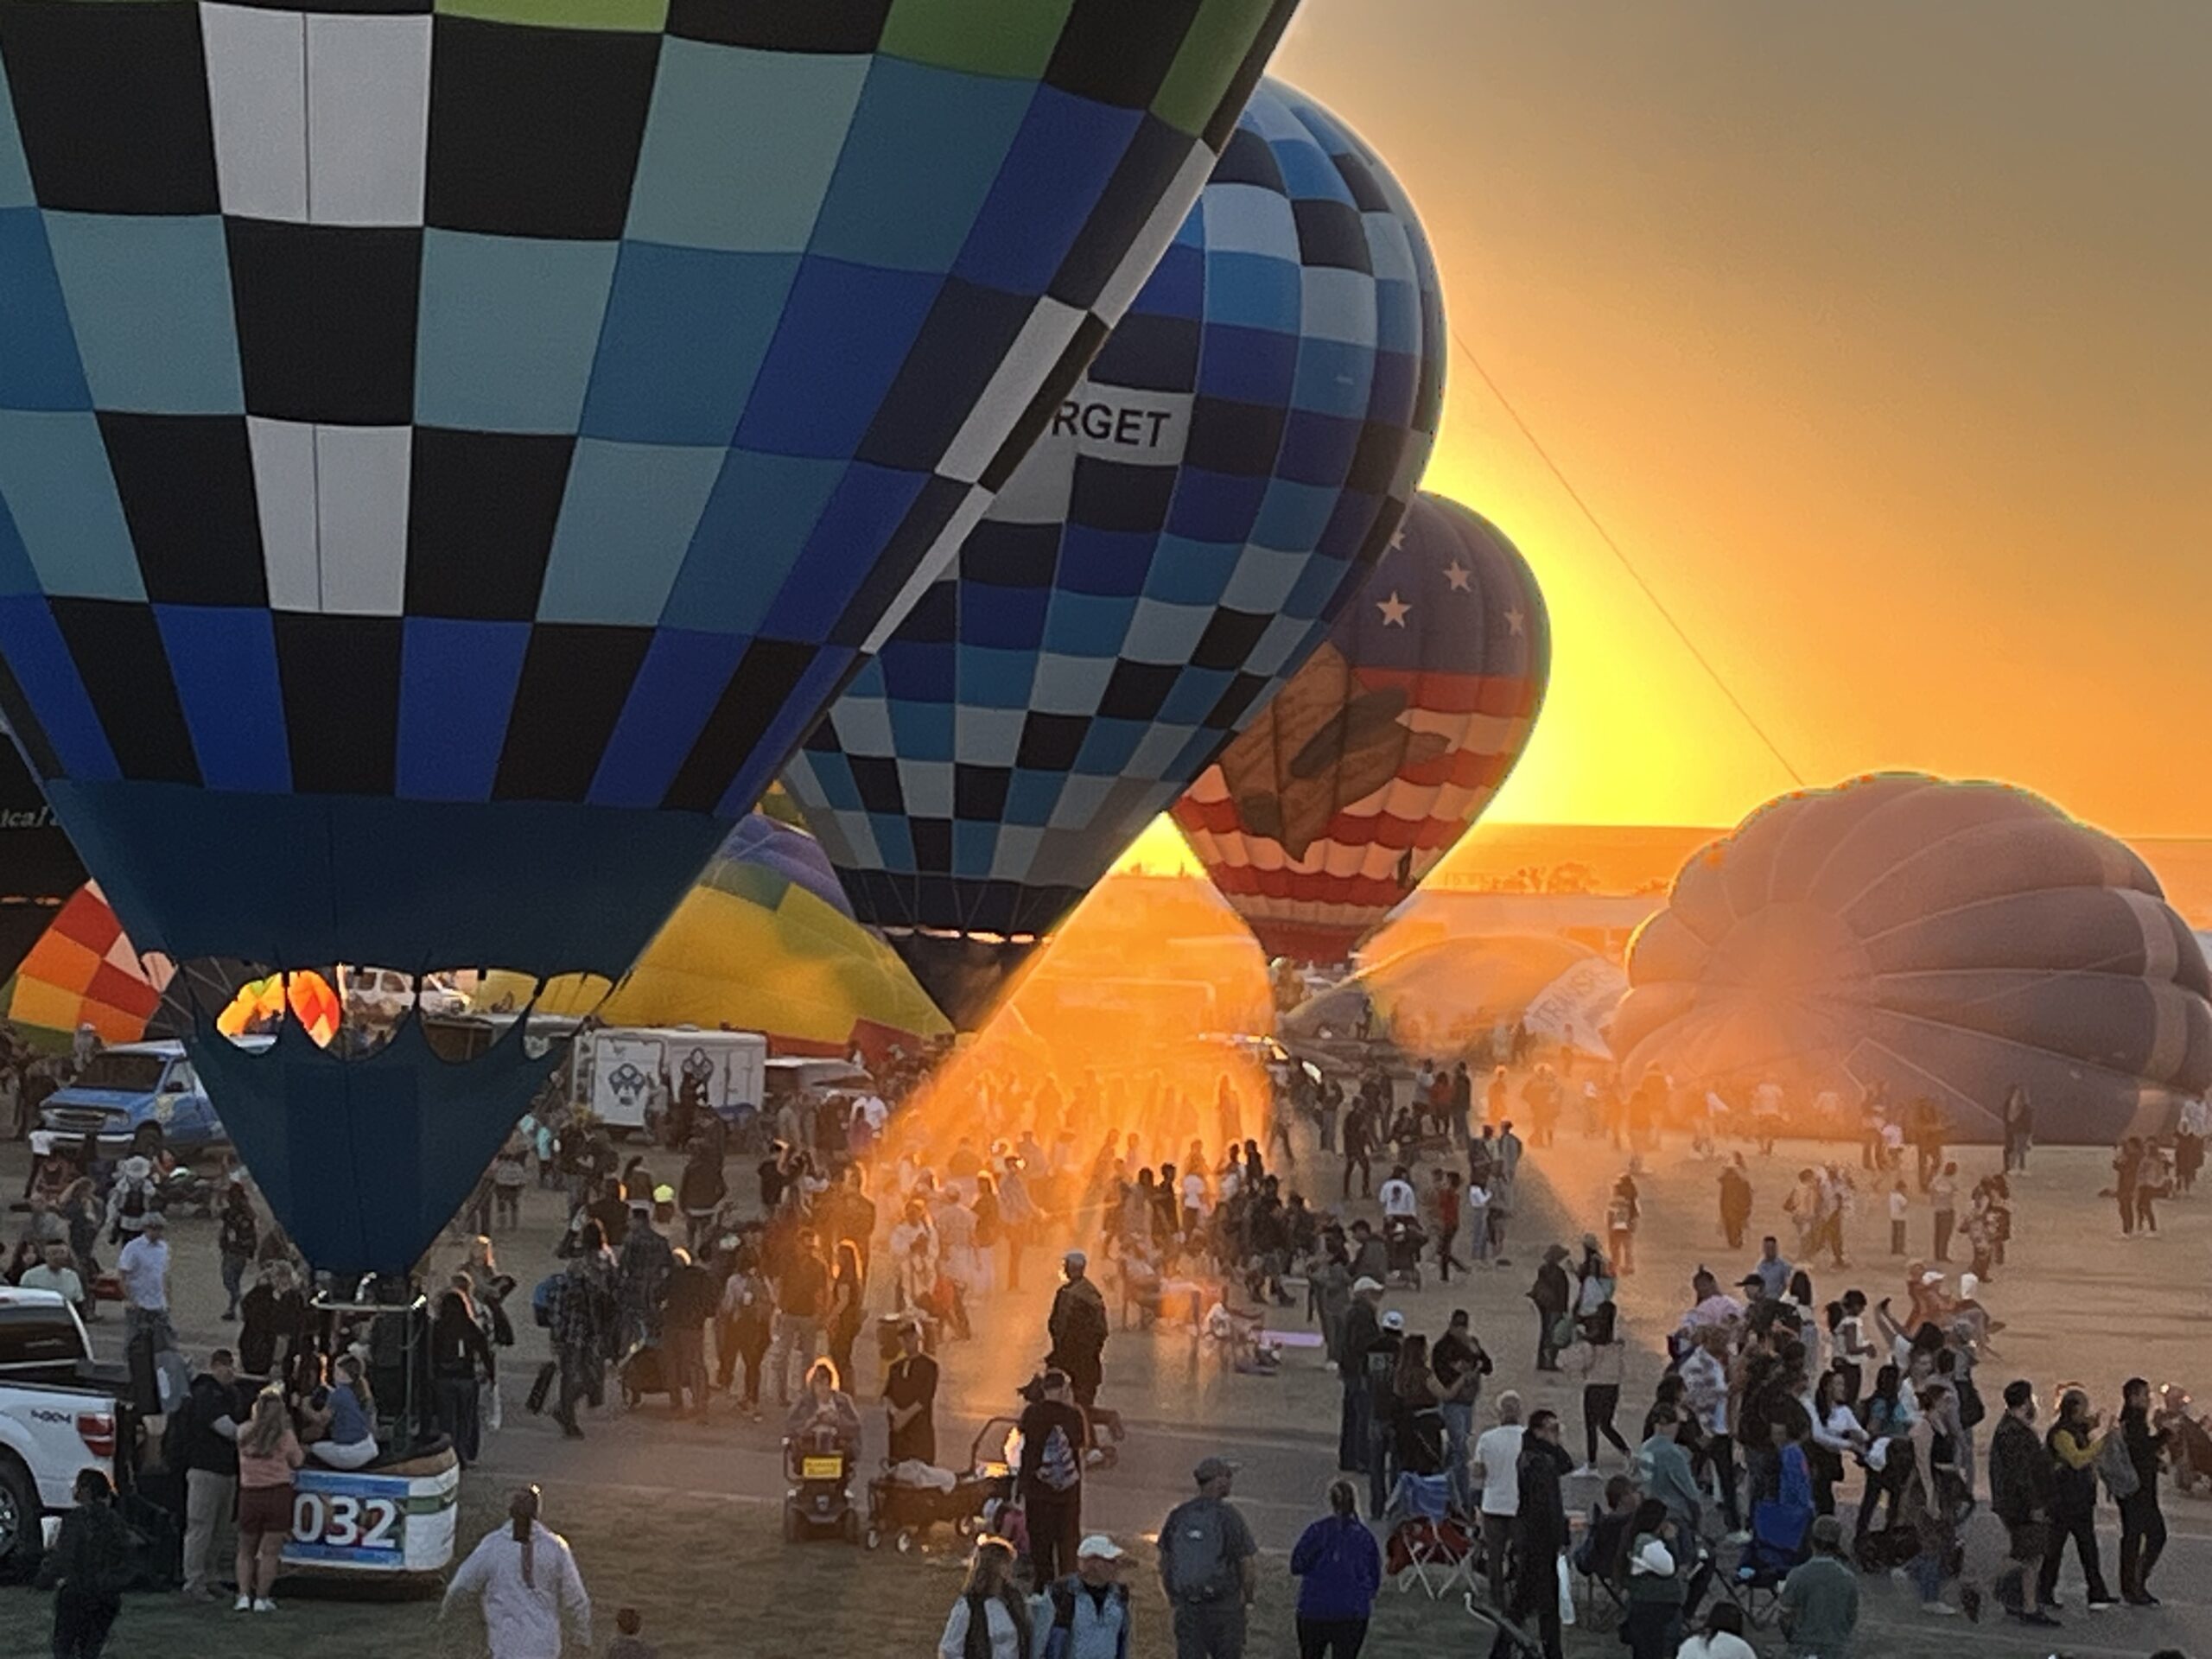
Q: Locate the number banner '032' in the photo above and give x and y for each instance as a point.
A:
(372, 1522)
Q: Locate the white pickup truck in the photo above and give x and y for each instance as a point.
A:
(60, 1412)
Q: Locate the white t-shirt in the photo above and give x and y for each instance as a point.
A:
(1397, 1198)
(1194, 1191)
(1897, 1206)
(1498, 1451)
(144, 1267)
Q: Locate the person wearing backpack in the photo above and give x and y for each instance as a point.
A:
(1089, 1609)
(86, 1569)
(1055, 1434)
(1339, 1568)
(1207, 1567)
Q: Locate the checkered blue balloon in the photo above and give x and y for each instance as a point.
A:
(451, 450)
(1199, 508)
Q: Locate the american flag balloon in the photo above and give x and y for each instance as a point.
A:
(1378, 755)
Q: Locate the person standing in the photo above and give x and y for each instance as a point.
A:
(1208, 1566)
(1943, 1197)
(2142, 1525)
(2021, 1492)
(1735, 1201)
(910, 1398)
(1362, 1325)
(1447, 1204)
(86, 1569)
(237, 1237)
(743, 1326)
(528, 1585)
(1553, 1294)
(802, 1296)
(1461, 1364)
(211, 1466)
(582, 1318)
(990, 1619)
(1055, 1436)
(1819, 1610)
(461, 1361)
(1339, 1568)
(1498, 1462)
(690, 1304)
(1538, 1535)
(1090, 1610)
(144, 1267)
(269, 1455)
(2073, 1444)
(1077, 1326)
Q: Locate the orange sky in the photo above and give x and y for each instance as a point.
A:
(1879, 336)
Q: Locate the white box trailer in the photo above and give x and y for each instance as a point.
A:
(615, 1068)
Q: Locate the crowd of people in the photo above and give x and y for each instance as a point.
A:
(862, 1214)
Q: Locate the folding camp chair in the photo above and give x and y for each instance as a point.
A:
(1595, 1557)
(1780, 1538)
(1428, 1545)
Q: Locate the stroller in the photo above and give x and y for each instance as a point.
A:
(905, 1511)
(820, 1500)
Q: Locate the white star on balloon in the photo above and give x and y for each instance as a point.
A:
(1394, 611)
(1458, 575)
(1514, 619)
(1397, 540)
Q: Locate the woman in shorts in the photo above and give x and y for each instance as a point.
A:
(268, 1453)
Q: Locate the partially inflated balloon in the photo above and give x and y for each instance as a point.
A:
(1197, 512)
(448, 456)
(1386, 746)
(1950, 941)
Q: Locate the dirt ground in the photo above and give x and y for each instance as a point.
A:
(680, 1519)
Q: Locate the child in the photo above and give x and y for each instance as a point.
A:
(1897, 1203)
(628, 1621)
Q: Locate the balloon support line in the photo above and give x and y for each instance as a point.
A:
(1635, 576)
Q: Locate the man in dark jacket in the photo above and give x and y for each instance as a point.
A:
(211, 1466)
(1363, 1324)
(2020, 1491)
(691, 1301)
(1381, 1367)
(1539, 1533)
(1077, 1327)
(2142, 1527)
(1552, 1294)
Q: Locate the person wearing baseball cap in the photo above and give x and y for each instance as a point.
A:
(1208, 1565)
(1362, 1325)
(1090, 1607)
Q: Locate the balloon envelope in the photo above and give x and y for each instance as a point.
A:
(1947, 940)
(1172, 547)
(449, 456)
(1359, 774)
(764, 941)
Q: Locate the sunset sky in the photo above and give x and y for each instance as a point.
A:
(1876, 334)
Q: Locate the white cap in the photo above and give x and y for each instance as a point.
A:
(1394, 1320)
(1931, 1277)
(1363, 1284)
(1098, 1547)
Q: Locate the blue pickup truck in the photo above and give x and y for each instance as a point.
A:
(138, 1097)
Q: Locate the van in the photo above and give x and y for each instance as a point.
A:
(614, 1069)
(138, 1097)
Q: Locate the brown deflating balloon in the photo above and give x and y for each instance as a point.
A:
(1941, 939)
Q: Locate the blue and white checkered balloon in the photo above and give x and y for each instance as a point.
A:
(1198, 510)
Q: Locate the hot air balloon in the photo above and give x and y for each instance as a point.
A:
(1382, 750)
(765, 941)
(450, 454)
(39, 869)
(1198, 510)
(1943, 941)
